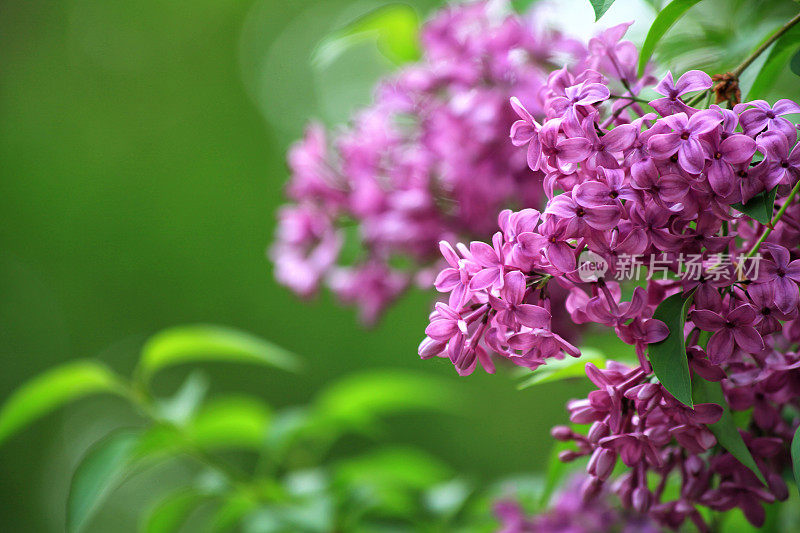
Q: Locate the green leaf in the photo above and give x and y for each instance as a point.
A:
(663, 22)
(393, 467)
(569, 367)
(395, 26)
(556, 469)
(191, 344)
(99, 472)
(725, 430)
(794, 64)
(796, 457)
(600, 7)
(360, 399)
(170, 513)
(668, 357)
(780, 54)
(759, 207)
(230, 422)
(182, 406)
(521, 6)
(51, 390)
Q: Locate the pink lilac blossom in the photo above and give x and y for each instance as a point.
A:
(429, 160)
(622, 182)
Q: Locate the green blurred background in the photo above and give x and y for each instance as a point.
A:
(142, 147)
(142, 163)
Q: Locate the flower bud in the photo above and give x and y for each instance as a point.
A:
(641, 499)
(562, 433)
(598, 430)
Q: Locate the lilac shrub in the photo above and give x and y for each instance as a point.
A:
(662, 192)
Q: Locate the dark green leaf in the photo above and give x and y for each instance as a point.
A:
(51, 390)
(759, 207)
(725, 430)
(189, 344)
(663, 22)
(794, 64)
(780, 54)
(396, 27)
(600, 7)
(796, 456)
(99, 472)
(171, 512)
(569, 367)
(521, 6)
(668, 357)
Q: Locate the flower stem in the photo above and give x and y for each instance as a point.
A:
(774, 221)
(736, 72)
(766, 44)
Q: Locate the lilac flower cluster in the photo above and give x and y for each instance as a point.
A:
(428, 161)
(622, 180)
(571, 513)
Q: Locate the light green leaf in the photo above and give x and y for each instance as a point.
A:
(779, 56)
(449, 498)
(725, 430)
(395, 26)
(185, 402)
(170, 513)
(360, 399)
(760, 207)
(231, 512)
(102, 468)
(51, 390)
(600, 7)
(393, 467)
(663, 22)
(198, 343)
(668, 357)
(796, 456)
(230, 422)
(569, 367)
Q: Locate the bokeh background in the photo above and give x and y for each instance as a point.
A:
(142, 161)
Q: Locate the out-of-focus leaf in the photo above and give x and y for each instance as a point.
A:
(521, 6)
(794, 64)
(569, 367)
(396, 27)
(310, 516)
(725, 430)
(759, 207)
(556, 470)
(231, 512)
(447, 499)
(230, 422)
(184, 403)
(600, 7)
(796, 456)
(360, 399)
(393, 467)
(51, 390)
(99, 472)
(198, 343)
(171, 513)
(780, 54)
(668, 357)
(663, 22)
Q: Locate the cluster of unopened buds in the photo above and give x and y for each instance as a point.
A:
(621, 181)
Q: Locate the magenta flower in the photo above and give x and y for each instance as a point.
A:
(579, 217)
(455, 279)
(510, 307)
(782, 276)
(734, 150)
(561, 152)
(577, 97)
(685, 139)
(526, 131)
(694, 80)
(492, 259)
(761, 116)
(731, 329)
(780, 166)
